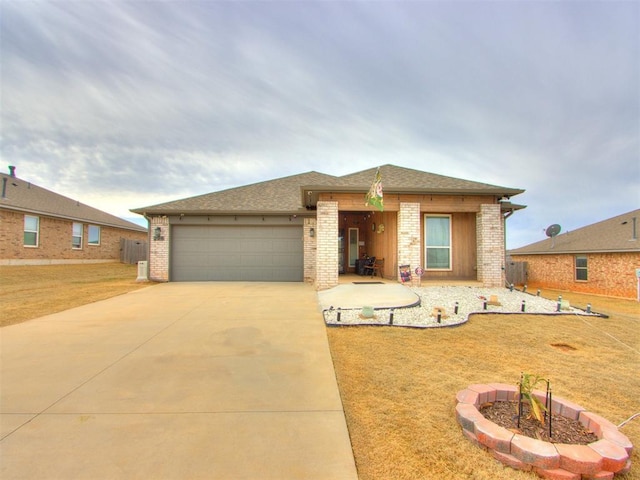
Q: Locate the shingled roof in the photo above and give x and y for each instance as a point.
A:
(291, 194)
(406, 180)
(21, 196)
(617, 234)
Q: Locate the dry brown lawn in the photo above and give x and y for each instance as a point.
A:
(32, 291)
(398, 385)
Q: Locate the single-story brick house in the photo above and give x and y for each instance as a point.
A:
(312, 227)
(601, 258)
(38, 226)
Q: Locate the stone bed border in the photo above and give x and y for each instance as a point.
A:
(602, 459)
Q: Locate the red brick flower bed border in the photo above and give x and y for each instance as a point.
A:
(600, 460)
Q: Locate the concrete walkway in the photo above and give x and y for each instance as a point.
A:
(358, 295)
(175, 381)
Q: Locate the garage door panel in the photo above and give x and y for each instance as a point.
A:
(236, 253)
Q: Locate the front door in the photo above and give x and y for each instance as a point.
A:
(353, 247)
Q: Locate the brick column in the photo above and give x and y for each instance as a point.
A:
(409, 236)
(327, 245)
(159, 250)
(490, 235)
(310, 249)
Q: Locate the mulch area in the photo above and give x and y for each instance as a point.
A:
(563, 429)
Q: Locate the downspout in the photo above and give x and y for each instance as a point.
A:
(504, 241)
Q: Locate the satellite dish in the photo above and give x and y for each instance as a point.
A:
(552, 231)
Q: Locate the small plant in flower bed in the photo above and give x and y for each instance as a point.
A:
(528, 383)
(532, 417)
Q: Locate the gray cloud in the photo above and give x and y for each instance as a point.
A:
(133, 103)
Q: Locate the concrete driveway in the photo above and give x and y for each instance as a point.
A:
(175, 381)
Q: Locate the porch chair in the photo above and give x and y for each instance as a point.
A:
(378, 268)
(367, 268)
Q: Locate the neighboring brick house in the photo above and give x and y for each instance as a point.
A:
(601, 258)
(38, 226)
(312, 227)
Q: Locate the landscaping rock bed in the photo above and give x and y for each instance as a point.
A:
(470, 300)
(603, 459)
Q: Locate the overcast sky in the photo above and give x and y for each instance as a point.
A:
(122, 105)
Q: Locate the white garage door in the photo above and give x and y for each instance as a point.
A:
(237, 253)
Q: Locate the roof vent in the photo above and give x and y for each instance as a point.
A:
(12, 170)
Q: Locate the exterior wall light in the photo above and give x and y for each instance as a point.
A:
(312, 232)
(157, 233)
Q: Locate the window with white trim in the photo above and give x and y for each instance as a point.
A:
(94, 235)
(31, 231)
(437, 240)
(581, 268)
(76, 236)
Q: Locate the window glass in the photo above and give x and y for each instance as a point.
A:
(76, 238)
(581, 268)
(94, 235)
(438, 242)
(438, 231)
(437, 257)
(31, 231)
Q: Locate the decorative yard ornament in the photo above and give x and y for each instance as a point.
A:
(374, 196)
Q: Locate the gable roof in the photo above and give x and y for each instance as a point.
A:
(406, 180)
(613, 235)
(293, 194)
(21, 196)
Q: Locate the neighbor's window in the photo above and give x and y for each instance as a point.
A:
(581, 268)
(31, 231)
(76, 236)
(94, 235)
(437, 242)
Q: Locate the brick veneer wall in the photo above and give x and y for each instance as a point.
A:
(409, 242)
(54, 243)
(491, 252)
(159, 250)
(611, 274)
(310, 249)
(327, 245)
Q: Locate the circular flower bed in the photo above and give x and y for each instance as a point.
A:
(604, 458)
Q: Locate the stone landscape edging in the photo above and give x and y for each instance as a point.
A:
(603, 459)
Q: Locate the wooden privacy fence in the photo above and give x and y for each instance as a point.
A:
(132, 251)
(516, 273)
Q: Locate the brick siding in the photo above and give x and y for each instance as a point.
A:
(491, 252)
(327, 245)
(310, 249)
(54, 242)
(611, 274)
(159, 250)
(409, 237)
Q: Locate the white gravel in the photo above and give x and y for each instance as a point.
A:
(470, 300)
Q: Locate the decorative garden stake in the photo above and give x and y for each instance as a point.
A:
(391, 317)
(522, 308)
(511, 287)
(559, 306)
(588, 308)
(538, 294)
(484, 304)
(455, 309)
(524, 288)
(338, 314)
